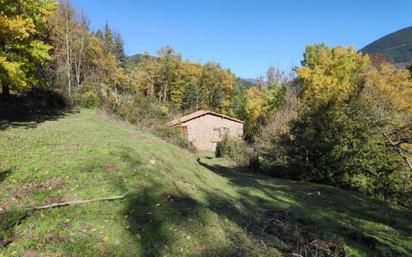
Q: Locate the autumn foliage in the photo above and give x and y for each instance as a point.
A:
(346, 119)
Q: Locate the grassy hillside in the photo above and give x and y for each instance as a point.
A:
(396, 46)
(182, 205)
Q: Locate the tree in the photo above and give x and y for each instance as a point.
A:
(81, 62)
(254, 109)
(330, 74)
(389, 91)
(63, 27)
(23, 51)
(276, 76)
(271, 139)
(118, 49)
(238, 100)
(168, 60)
(112, 43)
(353, 120)
(216, 87)
(107, 38)
(145, 74)
(191, 98)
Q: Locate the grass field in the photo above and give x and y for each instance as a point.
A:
(182, 204)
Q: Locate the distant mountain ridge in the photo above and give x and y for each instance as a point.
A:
(396, 47)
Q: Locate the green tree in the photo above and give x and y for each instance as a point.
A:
(191, 99)
(107, 38)
(340, 136)
(118, 49)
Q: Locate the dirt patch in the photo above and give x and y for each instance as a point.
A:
(137, 137)
(47, 185)
(304, 241)
(55, 239)
(23, 191)
(110, 167)
(31, 253)
(276, 222)
(51, 200)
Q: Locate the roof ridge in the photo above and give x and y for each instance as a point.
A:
(197, 114)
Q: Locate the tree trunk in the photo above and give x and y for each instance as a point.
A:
(68, 54)
(5, 92)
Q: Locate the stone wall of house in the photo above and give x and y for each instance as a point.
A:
(206, 131)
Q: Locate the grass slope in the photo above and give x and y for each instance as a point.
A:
(184, 206)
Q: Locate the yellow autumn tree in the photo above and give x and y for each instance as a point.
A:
(389, 91)
(254, 105)
(22, 51)
(330, 74)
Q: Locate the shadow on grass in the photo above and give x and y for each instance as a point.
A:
(4, 174)
(161, 219)
(334, 214)
(29, 110)
(164, 224)
(154, 218)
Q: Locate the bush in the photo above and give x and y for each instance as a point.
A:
(89, 99)
(270, 143)
(143, 111)
(176, 137)
(236, 150)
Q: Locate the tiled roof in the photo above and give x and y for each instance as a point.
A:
(198, 114)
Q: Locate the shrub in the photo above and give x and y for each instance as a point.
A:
(143, 111)
(175, 136)
(150, 114)
(234, 149)
(270, 141)
(89, 99)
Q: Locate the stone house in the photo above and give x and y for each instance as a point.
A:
(206, 128)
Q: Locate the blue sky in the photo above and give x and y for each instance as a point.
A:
(247, 36)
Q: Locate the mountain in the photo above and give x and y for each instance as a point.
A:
(134, 59)
(245, 83)
(253, 81)
(396, 47)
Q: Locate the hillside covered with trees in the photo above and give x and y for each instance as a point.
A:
(396, 47)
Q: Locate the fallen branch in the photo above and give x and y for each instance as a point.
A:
(16, 222)
(6, 242)
(76, 202)
(177, 179)
(264, 245)
(186, 183)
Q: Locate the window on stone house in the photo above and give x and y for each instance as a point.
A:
(217, 133)
(220, 132)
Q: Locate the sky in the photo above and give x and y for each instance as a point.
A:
(246, 36)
